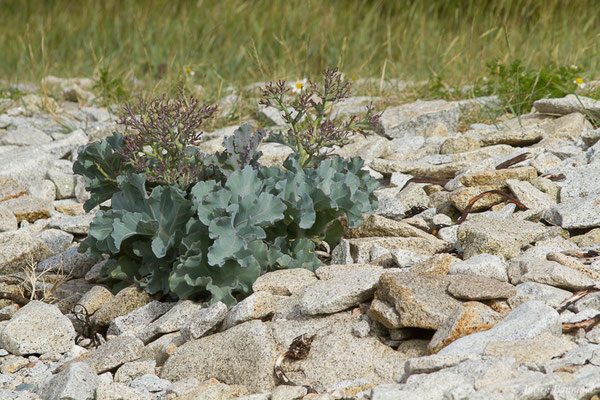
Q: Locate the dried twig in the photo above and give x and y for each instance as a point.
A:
(426, 179)
(298, 350)
(575, 298)
(554, 177)
(15, 298)
(513, 161)
(471, 202)
(585, 325)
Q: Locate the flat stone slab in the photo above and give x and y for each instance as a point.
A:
(525, 269)
(413, 118)
(576, 213)
(494, 236)
(114, 353)
(420, 300)
(527, 321)
(472, 287)
(566, 105)
(498, 177)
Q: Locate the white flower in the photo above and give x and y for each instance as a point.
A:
(574, 67)
(298, 86)
(580, 83)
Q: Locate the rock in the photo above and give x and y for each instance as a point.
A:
(9, 364)
(466, 319)
(19, 249)
(284, 282)
(62, 147)
(119, 391)
(171, 321)
(69, 262)
(8, 221)
(568, 127)
(114, 353)
(459, 144)
(484, 265)
(79, 225)
(421, 300)
(472, 287)
(341, 253)
(134, 369)
(498, 177)
(127, 300)
(77, 381)
(375, 225)
(95, 298)
(285, 392)
(525, 269)
(360, 248)
(162, 348)
(529, 195)
(580, 182)
(385, 314)
(183, 386)
(413, 197)
(203, 321)
(491, 236)
(56, 240)
(256, 306)
(65, 183)
(537, 291)
(367, 148)
(514, 137)
(334, 345)
(575, 214)
(24, 136)
(433, 363)
(439, 264)
(244, 354)
(339, 293)
(37, 328)
(461, 197)
(413, 118)
(139, 318)
(150, 383)
(527, 321)
(566, 105)
(537, 350)
(25, 166)
(28, 208)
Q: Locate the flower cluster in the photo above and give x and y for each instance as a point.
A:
(310, 128)
(159, 138)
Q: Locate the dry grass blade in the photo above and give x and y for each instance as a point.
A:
(471, 202)
(513, 161)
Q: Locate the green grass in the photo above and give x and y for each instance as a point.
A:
(228, 42)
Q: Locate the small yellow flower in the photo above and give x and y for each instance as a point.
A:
(579, 82)
(298, 86)
(189, 71)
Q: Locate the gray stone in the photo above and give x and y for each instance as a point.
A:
(491, 236)
(527, 321)
(536, 350)
(433, 363)
(8, 221)
(480, 288)
(428, 387)
(459, 144)
(115, 353)
(579, 388)
(203, 321)
(95, 298)
(77, 381)
(529, 195)
(120, 391)
(421, 300)
(24, 136)
(341, 253)
(361, 329)
(150, 383)
(171, 321)
(244, 354)
(579, 182)
(413, 118)
(126, 301)
(575, 213)
(566, 105)
(360, 248)
(183, 386)
(525, 269)
(79, 224)
(367, 148)
(485, 265)
(28, 208)
(162, 348)
(134, 369)
(37, 328)
(25, 166)
(331, 271)
(44, 190)
(466, 319)
(338, 294)
(414, 197)
(514, 137)
(62, 147)
(285, 392)
(537, 291)
(70, 262)
(385, 314)
(389, 207)
(139, 318)
(284, 282)
(256, 306)
(56, 240)
(352, 105)
(64, 182)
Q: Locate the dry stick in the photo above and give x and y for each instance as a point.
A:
(467, 209)
(575, 298)
(586, 325)
(554, 177)
(513, 161)
(426, 179)
(20, 300)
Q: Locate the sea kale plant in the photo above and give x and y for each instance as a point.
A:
(310, 130)
(185, 224)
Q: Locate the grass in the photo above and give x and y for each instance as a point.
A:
(228, 42)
